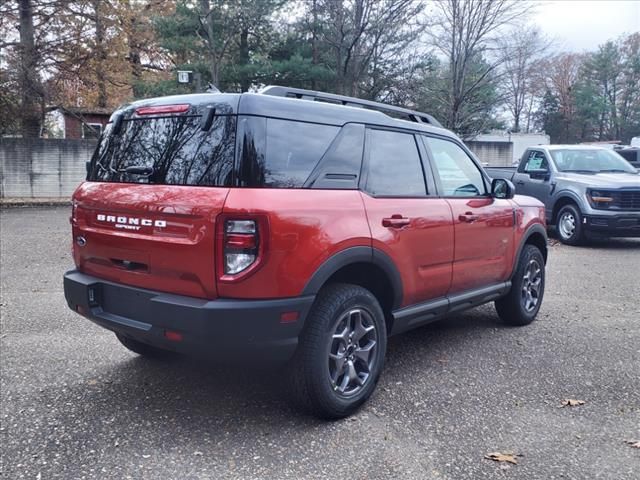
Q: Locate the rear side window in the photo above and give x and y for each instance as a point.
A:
(276, 153)
(293, 150)
(393, 167)
(168, 150)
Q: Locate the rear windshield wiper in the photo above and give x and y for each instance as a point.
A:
(135, 170)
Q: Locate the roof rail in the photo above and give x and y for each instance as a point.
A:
(405, 113)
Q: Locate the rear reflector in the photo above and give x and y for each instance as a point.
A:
(160, 109)
(289, 317)
(240, 240)
(173, 336)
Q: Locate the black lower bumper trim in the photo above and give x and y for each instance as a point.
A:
(614, 226)
(209, 327)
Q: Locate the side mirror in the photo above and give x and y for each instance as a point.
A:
(502, 188)
(540, 174)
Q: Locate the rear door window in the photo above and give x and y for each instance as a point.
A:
(168, 149)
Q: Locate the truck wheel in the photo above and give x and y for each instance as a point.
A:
(522, 303)
(143, 349)
(569, 225)
(341, 352)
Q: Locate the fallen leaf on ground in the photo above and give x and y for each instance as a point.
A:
(92, 382)
(633, 443)
(570, 402)
(503, 457)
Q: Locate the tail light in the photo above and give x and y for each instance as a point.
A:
(241, 247)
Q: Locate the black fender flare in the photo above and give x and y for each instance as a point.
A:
(351, 256)
(566, 195)
(533, 229)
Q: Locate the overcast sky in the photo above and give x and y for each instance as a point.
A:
(580, 25)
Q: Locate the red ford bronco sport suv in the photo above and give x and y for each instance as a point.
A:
(301, 227)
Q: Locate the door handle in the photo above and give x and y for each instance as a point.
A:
(520, 182)
(396, 221)
(468, 217)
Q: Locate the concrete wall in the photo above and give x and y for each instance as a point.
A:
(39, 168)
(487, 146)
(495, 154)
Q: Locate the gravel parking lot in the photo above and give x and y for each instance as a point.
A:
(75, 404)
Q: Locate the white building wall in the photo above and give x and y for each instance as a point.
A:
(514, 145)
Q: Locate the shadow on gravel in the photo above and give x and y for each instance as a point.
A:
(200, 395)
(601, 243)
(613, 244)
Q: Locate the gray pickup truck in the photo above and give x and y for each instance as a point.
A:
(587, 191)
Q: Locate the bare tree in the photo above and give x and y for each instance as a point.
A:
(467, 33)
(362, 33)
(562, 72)
(522, 51)
(28, 75)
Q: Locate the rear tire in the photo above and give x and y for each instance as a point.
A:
(521, 305)
(341, 352)
(143, 349)
(569, 225)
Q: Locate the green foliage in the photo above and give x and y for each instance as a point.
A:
(549, 118)
(603, 99)
(374, 49)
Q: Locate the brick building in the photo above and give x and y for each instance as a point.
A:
(76, 122)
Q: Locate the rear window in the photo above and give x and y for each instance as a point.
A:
(631, 156)
(169, 150)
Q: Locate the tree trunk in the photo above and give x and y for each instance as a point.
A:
(245, 82)
(30, 90)
(205, 15)
(101, 55)
(529, 113)
(516, 123)
(351, 62)
(314, 40)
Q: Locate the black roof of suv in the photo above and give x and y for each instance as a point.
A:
(278, 138)
(319, 107)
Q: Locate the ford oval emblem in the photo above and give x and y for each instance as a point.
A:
(81, 241)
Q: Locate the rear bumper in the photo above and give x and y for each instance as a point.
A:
(208, 327)
(619, 225)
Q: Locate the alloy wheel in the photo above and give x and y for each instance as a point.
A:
(352, 351)
(531, 286)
